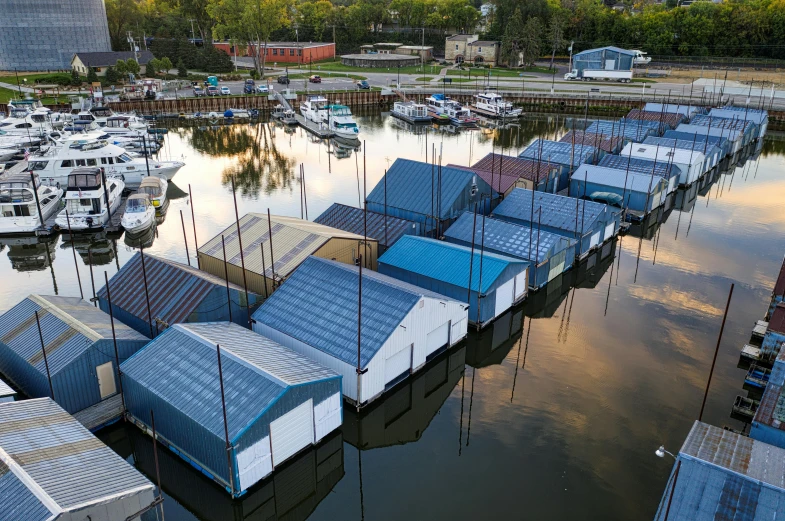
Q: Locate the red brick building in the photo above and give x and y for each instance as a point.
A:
(285, 52)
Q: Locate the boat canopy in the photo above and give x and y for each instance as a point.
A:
(151, 186)
(87, 178)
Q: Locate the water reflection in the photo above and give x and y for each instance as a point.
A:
(29, 253)
(95, 249)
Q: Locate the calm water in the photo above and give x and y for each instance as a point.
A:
(558, 419)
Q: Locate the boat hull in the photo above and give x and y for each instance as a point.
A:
(133, 223)
(412, 120)
(514, 113)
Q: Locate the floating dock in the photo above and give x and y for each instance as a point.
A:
(102, 414)
(314, 128)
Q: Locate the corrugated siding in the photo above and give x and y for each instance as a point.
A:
(558, 211)
(735, 137)
(353, 220)
(5, 389)
(666, 120)
(639, 165)
(701, 140)
(735, 122)
(559, 153)
(711, 152)
(686, 110)
(640, 191)
(630, 130)
(17, 502)
(610, 143)
(531, 170)
(596, 59)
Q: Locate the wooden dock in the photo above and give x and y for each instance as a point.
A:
(100, 415)
(314, 128)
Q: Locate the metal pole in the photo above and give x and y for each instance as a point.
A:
(471, 258)
(479, 287)
(305, 191)
(716, 351)
(302, 214)
(43, 350)
(670, 498)
(264, 270)
(193, 220)
(226, 274)
(226, 424)
(114, 341)
(272, 259)
(37, 201)
(242, 256)
(92, 279)
(185, 239)
(386, 242)
(155, 455)
(536, 254)
(73, 250)
(147, 295)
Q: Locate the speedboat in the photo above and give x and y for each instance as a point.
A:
(139, 213)
(411, 112)
(314, 108)
(24, 202)
(493, 105)
(86, 198)
(341, 122)
(155, 188)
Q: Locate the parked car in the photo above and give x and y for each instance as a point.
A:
(225, 91)
(315, 79)
(284, 80)
(362, 84)
(213, 91)
(198, 91)
(194, 84)
(249, 87)
(263, 89)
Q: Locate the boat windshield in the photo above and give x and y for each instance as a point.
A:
(14, 194)
(346, 125)
(135, 205)
(86, 180)
(37, 165)
(152, 191)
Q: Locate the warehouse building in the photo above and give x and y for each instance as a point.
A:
(403, 326)
(525, 172)
(549, 254)
(385, 229)
(444, 267)
(603, 58)
(53, 469)
(637, 192)
(277, 402)
(270, 259)
(690, 163)
(564, 155)
(79, 350)
(176, 293)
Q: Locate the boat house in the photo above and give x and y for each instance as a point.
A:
(516, 172)
(702, 141)
(734, 135)
(758, 118)
(673, 108)
(605, 144)
(627, 129)
(637, 192)
(778, 294)
(564, 155)
(385, 229)
(768, 424)
(6, 393)
(689, 162)
(712, 153)
(775, 333)
(644, 166)
(665, 120)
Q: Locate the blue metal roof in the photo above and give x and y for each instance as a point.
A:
(558, 152)
(558, 211)
(756, 115)
(735, 123)
(326, 293)
(448, 262)
(639, 165)
(714, 130)
(69, 326)
(181, 367)
(674, 108)
(409, 186)
(632, 129)
(351, 219)
(719, 141)
(606, 48)
(18, 502)
(508, 238)
(684, 144)
(616, 178)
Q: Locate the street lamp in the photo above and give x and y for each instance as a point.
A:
(661, 452)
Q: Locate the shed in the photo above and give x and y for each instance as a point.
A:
(628, 130)
(768, 425)
(277, 401)
(79, 350)
(604, 58)
(724, 475)
(268, 262)
(644, 166)
(402, 326)
(778, 294)
(444, 267)
(6, 393)
(665, 120)
(526, 172)
(53, 469)
(775, 334)
(735, 122)
(712, 153)
(735, 137)
(687, 110)
(592, 223)
(548, 253)
(689, 162)
(565, 155)
(385, 229)
(701, 140)
(640, 192)
(758, 118)
(177, 293)
(609, 144)
(502, 181)
(421, 192)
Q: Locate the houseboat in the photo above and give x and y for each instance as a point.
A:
(341, 122)
(493, 105)
(314, 108)
(90, 200)
(411, 112)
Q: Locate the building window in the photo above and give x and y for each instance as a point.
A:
(291, 52)
(456, 46)
(275, 52)
(479, 50)
(299, 52)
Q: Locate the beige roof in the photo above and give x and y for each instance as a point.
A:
(293, 241)
(151, 181)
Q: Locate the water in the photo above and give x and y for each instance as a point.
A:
(557, 420)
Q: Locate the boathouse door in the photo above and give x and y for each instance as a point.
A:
(106, 383)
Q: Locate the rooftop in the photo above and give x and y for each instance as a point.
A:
(605, 142)
(481, 43)
(461, 37)
(777, 320)
(517, 167)
(558, 211)
(608, 48)
(105, 59)
(616, 178)
(662, 153)
(779, 286)
(547, 151)
(377, 226)
(5, 389)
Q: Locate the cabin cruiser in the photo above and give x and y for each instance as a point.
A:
(21, 197)
(54, 164)
(22, 122)
(155, 188)
(443, 109)
(90, 200)
(124, 125)
(314, 108)
(493, 105)
(341, 122)
(139, 213)
(411, 112)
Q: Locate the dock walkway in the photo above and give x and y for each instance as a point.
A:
(314, 128)
(101, 414)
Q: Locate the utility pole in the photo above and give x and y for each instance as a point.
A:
(193, 37)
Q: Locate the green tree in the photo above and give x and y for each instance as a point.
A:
(314, 16)
(121, 67)
(531, 42)
(121, 15)
(132, 66)
(112, 76)
(153, 66)
(182, 71)
(556, 34)
(166, 64)
(92, 77)
(76, 81)
(511, 48)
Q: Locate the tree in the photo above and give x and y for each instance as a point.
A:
(182, 71)
(112, 76)
(512, 41)
(120, 16)
(153, 66)
(92, 77)
(76, 81)
(121, 67)
(532, 38)
(556, 34)
(166, 65)
(132, 66)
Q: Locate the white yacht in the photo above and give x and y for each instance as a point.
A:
(22, 122)
(20, 200)
(86, 199)
(54, 164)
(493, 105)
(314, 108)
(444, 110)
(125, 125)
(139, 213)
(411, 112)
(341, 121)
(155, 188)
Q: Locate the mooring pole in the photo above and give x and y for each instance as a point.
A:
(147, 295)
(226, 274)
(37, 200)
(305, 189)
(479, 288)
(155, 455)
(114, 341)
(92, 278)
(193, 221)
(73, 250)
(272, 259)
(716, 350)
(185, 239)
(43, 350)
(264, 271)
(471, 258)
(242, 256)
(226, 424)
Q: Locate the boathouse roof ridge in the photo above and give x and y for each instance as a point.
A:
(557, 210)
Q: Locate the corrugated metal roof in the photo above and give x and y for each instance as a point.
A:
(181, 367)
(734, 122)
(409, 186)
(768, 404)
(178, 289)
(448, 262)
(351, 219)
(683, 144)
(5, 390)
(713, 130)
(70, 465)
(756, 118)
(669, 119)
(508, 238)
(613, 177)
(557, 152)
(558, 211)
(777, 320)
(640, 165)
(779, 286)
(501, 182)
(607, 48)
(604, 142)
(718, 141)
(326, 293)
(663, 154)
(69, 327)
(517, 167)
(18, 502)
(293, 241)
(634, 130)
(756, 115)
(687, 110)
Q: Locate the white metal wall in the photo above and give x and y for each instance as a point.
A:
(327, 416)
(504, 297)
(254, 463)
(292, 432)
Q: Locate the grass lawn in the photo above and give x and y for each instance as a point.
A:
(503, 73)
(424, 78)
(339, 67)
(30, 77)
(7, 94)
(300, 76)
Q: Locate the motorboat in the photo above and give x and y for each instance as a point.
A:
(493, 105)
(444, 110)
(640, 58)
(55, 163)
(411, 112)
(341, 122)
(22, 122)
(125, 125)
(90, 200)
(240, 114)
(314, 108)
(139, 213)
(25, 203)
(283, 114)
(155, 188)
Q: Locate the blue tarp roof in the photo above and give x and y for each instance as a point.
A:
(317, 305)
(558, 211)
(558, 152)
(181, 367)
(409, 186)
(448, 262)
(508, 238)
(351, 219)
(639, 165)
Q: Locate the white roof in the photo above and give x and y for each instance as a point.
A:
(5, 390)
(664, 154)
(617, 178)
